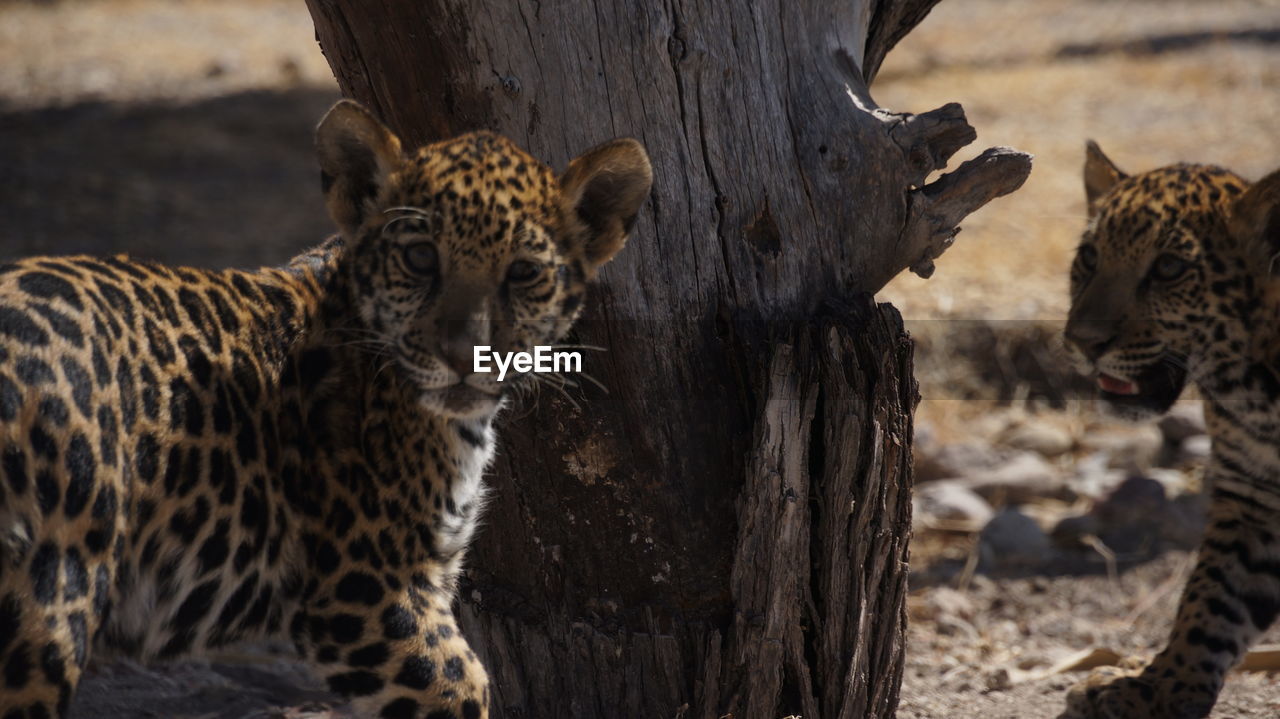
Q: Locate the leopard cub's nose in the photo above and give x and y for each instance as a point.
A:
(1092, 337)
(459, 354)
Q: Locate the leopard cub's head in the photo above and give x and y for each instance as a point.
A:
(1161, 283)
(470, 243)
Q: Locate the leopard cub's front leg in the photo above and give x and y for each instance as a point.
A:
(1232, 597)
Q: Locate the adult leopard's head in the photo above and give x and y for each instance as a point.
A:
(1163, 281)
(470, 242)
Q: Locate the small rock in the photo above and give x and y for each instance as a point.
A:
(1133, 493)
(1094, 478)
(1012, 537)
(1184, 420)
(947, 601)
(1196, 449)
(1069, 533)
(1043, 438)
(1023, 478)
(1131, 448)
(1173, 481)
(956, 460)
(1137, 517)
(951, 501)
(999, 680)
(995, 423)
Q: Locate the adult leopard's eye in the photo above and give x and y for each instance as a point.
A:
(1169, 267)
(421, 258)
(522, 271)
(1087, 256)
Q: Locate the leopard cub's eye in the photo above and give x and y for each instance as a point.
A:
(1087, 256)
(421, 258)
(1168, 267)
(522, 271)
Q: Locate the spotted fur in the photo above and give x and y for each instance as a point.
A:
(192, 458)
(1174, 281)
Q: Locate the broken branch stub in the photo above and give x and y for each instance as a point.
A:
(930, 138)
(935, 210)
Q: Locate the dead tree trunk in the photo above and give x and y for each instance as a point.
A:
(724, 532)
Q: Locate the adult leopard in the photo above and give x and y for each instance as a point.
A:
(192, 458)
(1175, 281)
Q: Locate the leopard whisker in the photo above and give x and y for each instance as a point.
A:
(559, 387)
(588, 347)
(593, 381)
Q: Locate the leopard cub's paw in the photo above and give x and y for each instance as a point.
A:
(1107, 693)
(1128, 692)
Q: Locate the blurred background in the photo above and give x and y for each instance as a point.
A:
(181, 130)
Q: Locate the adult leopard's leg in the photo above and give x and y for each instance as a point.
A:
(394, 648)
(1233, 595)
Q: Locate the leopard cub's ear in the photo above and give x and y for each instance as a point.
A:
(603, 190)
(357, 154)
(1100, 175)
(1255, 223)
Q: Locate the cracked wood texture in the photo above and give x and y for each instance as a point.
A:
(725, 532)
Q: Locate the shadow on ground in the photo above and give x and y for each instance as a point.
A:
(230, 181)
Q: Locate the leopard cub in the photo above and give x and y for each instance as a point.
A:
(192, 458)
(1175, 281)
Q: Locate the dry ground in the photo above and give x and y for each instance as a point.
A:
(180, 129)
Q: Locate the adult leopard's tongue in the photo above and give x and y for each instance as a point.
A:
(1115, 385)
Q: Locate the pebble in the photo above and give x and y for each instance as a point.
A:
(948, 601)
(1173, 481)
(1022, 478)
(1043, 438)
(1094, 478)
(1196, 449)
(958, 459)
(1012, 537)
(1183, 421)
(1133, 448)
(951, 501)
(1137, 517)
(1070, 532)
(999, 679)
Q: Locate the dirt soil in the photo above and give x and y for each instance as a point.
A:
(181, 130)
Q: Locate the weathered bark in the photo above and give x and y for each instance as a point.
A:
(725, 531)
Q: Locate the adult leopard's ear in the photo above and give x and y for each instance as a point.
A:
(603, 190)
(1255, 222)
(357, 154)
(1100, 175)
